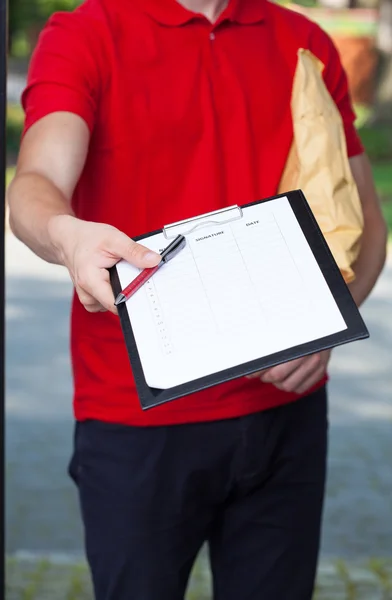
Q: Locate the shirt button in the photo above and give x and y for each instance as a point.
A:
(212, 36)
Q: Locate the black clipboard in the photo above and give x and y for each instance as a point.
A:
(356, 328)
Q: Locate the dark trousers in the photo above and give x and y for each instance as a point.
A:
(252, 487)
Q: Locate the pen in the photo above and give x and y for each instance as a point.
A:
(167, 254)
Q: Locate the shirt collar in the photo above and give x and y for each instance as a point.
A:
(172, 13)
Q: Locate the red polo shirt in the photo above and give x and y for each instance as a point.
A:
(185, 117)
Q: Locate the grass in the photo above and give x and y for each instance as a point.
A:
(45, 580)
(344, 575)
(387, 210)
(382, 173)
(380, 569)
(378, 142)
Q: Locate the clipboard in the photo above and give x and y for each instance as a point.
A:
(355, 327)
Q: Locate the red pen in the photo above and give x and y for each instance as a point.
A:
(167, 254)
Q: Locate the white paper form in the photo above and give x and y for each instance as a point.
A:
(237, 292)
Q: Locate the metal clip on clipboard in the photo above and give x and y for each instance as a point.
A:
(216, 217)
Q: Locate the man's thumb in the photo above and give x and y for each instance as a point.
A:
(137, 254)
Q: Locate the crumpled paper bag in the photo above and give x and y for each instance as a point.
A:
(318, 164)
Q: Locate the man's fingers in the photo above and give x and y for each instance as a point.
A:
(310, 369)
(297, 375)
(104, 292)
(136, 254)
(277, 374)
(306, 384)
(256, 375)
(94, 290)
(89, 302)
(281, 372)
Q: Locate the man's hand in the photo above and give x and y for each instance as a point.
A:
(88, 250)
(298, 375)
(51, 159)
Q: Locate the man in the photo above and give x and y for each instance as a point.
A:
(140, 113)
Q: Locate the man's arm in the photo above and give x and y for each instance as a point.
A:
(303, 373)
(51, 159)
(52, 156)
(371, 259)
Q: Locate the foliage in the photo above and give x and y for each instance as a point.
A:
(27, 14)
(376, 138)
(383, 178)
(377, 141)
(387, 210)
(14, 128)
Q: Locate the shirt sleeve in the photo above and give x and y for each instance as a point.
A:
(64, 70)
(335, 79)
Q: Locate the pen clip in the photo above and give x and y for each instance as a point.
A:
(173, 248)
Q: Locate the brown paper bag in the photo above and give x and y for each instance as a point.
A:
(318, 164)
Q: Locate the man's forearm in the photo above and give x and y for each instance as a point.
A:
(370, 261)
(34, 202)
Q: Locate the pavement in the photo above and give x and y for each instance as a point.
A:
(43, 534)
